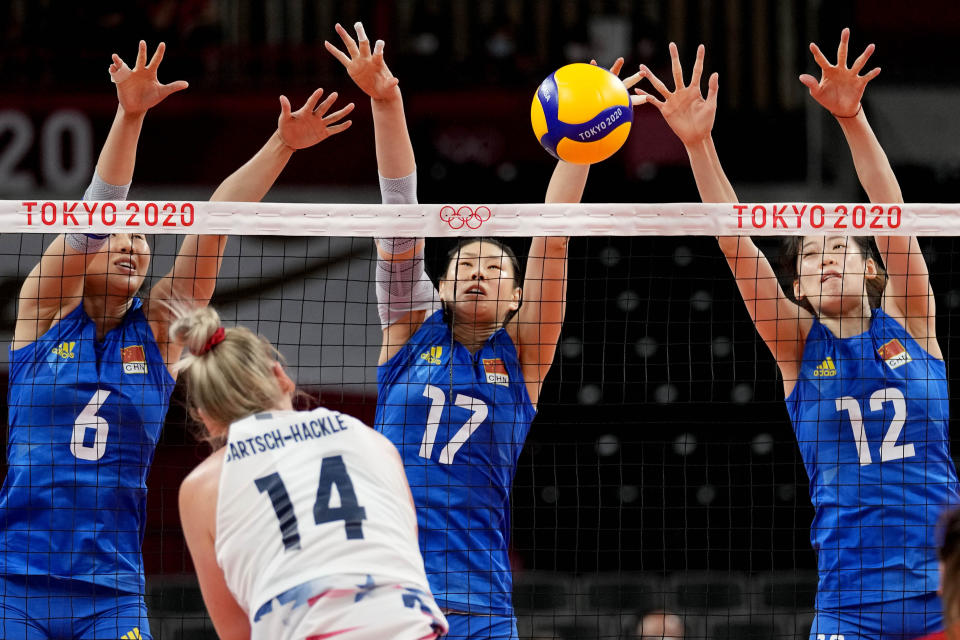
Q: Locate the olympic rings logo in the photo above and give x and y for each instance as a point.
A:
(465, 215)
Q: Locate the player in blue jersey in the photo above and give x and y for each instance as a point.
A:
(89, 387)
(863, 373)
(460, 369)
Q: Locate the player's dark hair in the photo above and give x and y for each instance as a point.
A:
(790, 254)
(948, 551)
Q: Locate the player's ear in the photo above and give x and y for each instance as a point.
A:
(796, 290)
(870, 269)
(443, 287)
(287, 386)
(516, 298)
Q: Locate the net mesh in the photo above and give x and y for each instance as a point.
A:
(661, 472)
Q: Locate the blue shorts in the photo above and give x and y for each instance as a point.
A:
(41, 608)
(895, 620)
(481, 627)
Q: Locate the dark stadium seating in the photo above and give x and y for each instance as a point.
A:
(176, 609)
(713, 605)
(744, 630)
(787, 590)
(705, 591)
(620, 592)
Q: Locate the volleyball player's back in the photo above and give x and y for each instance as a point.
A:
(315, 528)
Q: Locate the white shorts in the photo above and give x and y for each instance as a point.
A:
(349, 608)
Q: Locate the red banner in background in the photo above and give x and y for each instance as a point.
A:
(199, 139)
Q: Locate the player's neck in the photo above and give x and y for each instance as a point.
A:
(284, 404)
(473, 335)
(106, 311)
(850, 322)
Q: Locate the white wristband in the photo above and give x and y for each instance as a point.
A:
(86, 242)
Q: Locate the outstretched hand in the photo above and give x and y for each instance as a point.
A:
(688, 114)
(628, 82)
(138, 89)
(840, 88)
(366, 67)
(309, 124)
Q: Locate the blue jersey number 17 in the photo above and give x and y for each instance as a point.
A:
(478, 413)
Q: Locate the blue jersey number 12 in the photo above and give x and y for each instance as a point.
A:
(889, 449)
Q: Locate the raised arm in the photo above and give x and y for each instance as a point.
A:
(405, 294)
(781, 323)
(194, 275)
(300, 129)
(537, 325)
(54, 286)
(369, 71)
(138, 90)
(840, 90)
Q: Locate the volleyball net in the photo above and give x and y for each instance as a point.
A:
(661, 472)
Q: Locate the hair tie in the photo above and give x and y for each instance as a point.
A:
(215, 339)
(859, 109)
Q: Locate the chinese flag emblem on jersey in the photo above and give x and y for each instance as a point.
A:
(133, 359)
(894, 354)
(496, 371)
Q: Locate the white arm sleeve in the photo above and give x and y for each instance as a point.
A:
(100, 190)
(399, 190)
(402, 285)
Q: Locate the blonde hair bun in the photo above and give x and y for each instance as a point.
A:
(194, 328)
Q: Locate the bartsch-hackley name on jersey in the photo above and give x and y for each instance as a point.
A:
(320, 427)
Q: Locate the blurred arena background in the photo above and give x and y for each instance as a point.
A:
(662, 470)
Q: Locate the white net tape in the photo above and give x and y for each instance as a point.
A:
(439, 220)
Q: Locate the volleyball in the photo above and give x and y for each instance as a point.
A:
(581, 113)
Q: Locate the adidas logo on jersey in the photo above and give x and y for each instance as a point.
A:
(894, 354)
(65, 349)
(133, 634)
(825, 369)
(432, 356)
(133, 359)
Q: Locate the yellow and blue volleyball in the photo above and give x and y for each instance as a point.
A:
(581, 113)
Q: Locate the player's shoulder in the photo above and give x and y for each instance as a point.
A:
(373, 440)
(421, 327)
(204, 479)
